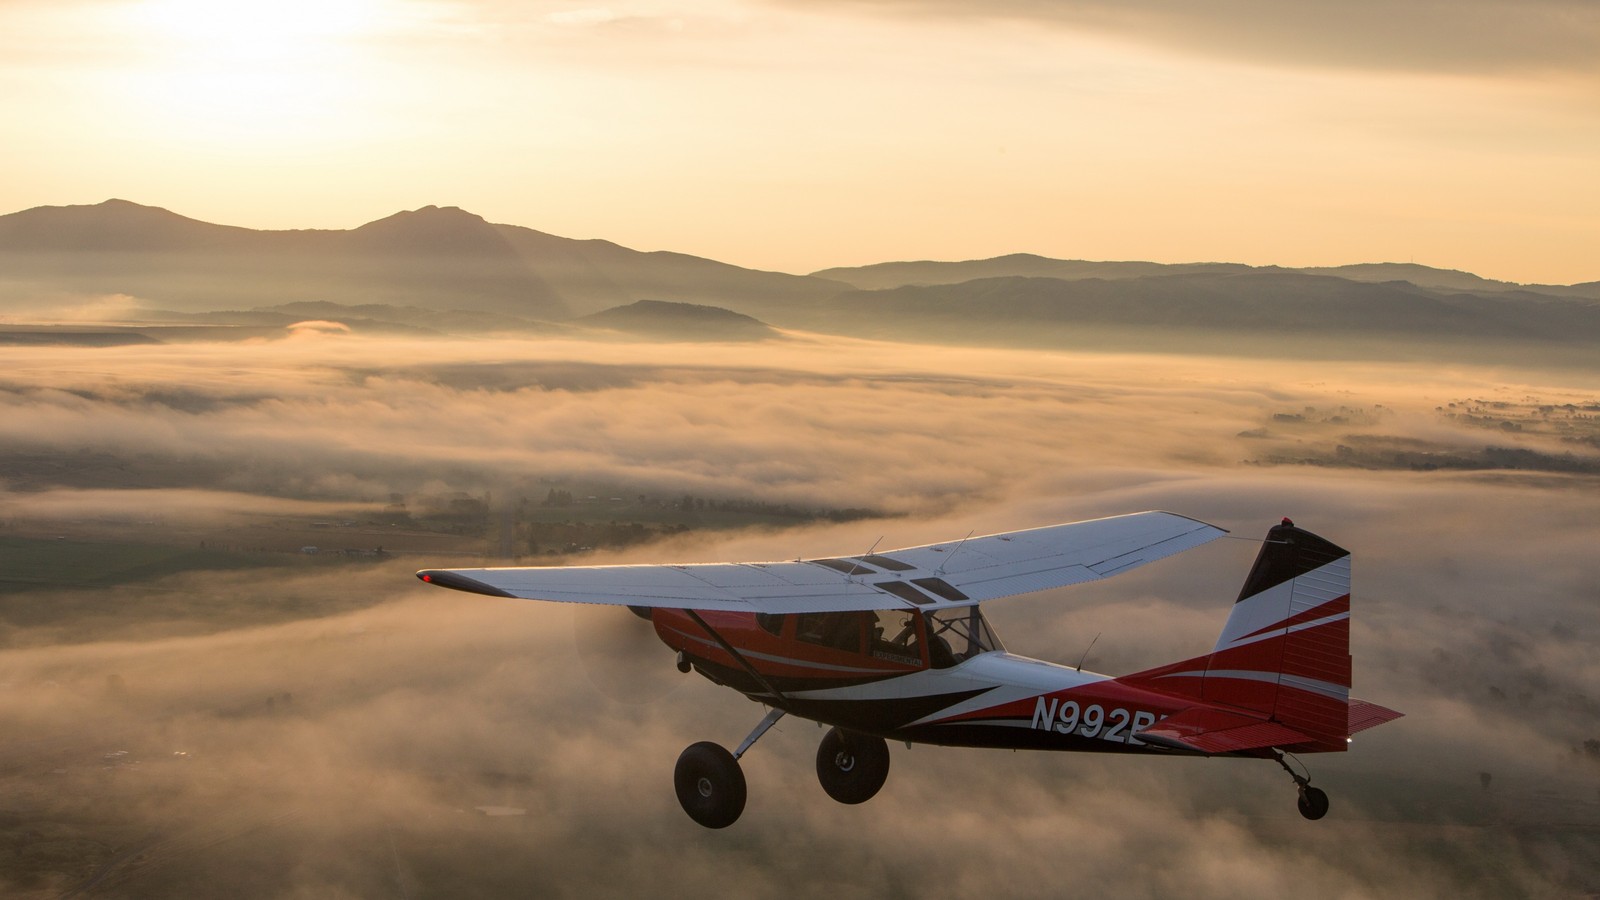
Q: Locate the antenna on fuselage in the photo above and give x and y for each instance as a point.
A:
(1086, 651)
(940, 571)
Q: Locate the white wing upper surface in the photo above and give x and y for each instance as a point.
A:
(933, 576)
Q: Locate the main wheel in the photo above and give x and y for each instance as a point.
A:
(1313, 803)
(710, 784)
(852, 767)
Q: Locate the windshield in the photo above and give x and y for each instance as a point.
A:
(965, 630)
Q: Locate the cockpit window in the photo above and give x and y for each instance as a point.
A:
(772, 623)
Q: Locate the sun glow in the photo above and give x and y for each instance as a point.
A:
(250, 68)
(256, 27)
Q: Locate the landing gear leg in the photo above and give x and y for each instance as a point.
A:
(709, 782)
(771, 718)
(1313, 802)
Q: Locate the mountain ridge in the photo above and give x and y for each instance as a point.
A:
(878, 276)
(409, 258)
(448, 269)
(1251, 313)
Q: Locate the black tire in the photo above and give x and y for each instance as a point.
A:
(710, 784)
(852, 767)
(1313, 803)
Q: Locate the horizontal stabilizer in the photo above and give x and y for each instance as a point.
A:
(1212, 731)
(1364, 715)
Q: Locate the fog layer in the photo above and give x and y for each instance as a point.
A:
(381, 738)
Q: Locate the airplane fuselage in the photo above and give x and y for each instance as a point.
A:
(982, 698)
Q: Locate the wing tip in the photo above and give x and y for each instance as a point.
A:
(448, 578)
(1167, 512)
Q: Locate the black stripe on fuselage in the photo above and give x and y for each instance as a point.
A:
(884, 717)
(1016, 737)
(872, 716)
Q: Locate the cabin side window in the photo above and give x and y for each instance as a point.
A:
(894, 636)
(771, 623)
(839, 630)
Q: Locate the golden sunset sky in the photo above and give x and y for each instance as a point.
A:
(800, 134)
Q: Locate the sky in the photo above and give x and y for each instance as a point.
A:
(796, 136)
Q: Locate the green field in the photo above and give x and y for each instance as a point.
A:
(33, 563)
(73, 590)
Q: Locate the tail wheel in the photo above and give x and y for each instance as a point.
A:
(710, 784)
(852, 767)
(1313, 803)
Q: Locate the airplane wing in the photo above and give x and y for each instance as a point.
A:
(932, 576)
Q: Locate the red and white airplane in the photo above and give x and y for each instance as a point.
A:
(893, 646)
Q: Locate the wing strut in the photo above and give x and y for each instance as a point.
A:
(736, 656)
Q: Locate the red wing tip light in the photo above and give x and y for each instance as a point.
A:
(456, 581)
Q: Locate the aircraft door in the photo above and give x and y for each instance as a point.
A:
(896, 635)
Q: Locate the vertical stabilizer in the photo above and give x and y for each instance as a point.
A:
(1285, 650)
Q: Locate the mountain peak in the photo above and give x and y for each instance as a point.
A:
(433, 215)
(434, 230)
(112, 225)
(119, 203)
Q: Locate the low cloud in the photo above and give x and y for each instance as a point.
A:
(363, 418)
(317, 328)
(171, 505)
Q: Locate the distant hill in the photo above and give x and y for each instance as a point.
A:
(596, 274)
(660, 320)
(1449, 279)
(68, 336)
(1253, 311)
(1025, 265)
(433, 257)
